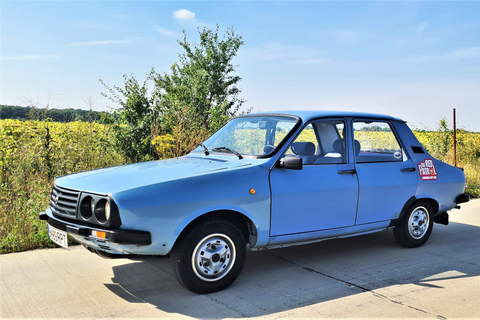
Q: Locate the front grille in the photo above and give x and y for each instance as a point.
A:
(64, 201)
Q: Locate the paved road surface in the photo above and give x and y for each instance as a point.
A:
(363, 277)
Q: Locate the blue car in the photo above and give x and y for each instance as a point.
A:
(262, 181)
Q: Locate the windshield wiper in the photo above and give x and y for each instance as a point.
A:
(205, 149)
(228, 150)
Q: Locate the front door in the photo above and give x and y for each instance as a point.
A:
(323, 195)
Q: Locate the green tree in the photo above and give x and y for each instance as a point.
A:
(133, 122)
(204, 79)
(201, 93)
(187, 105)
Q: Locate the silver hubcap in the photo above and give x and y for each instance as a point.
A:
(418, 223)
(213, 257)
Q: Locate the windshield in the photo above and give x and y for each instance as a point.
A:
(250, 136)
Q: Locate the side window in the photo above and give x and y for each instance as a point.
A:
(320, 142)
(305, 144)
(376, 142)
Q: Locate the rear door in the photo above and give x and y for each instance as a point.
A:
(387, 177)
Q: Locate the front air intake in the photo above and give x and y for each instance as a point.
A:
(63, 202)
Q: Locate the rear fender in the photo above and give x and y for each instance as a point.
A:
(412, 200)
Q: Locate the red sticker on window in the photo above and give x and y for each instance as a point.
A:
(427, 170)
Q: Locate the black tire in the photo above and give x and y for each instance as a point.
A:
(416, 226)
(209, 257)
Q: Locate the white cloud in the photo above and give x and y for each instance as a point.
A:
(86, 24)
(464, 53)
(184, 14)
(313, 61)
(422, 27)
(29, 57)
(163, 31)
(279, 51)
(102, 42)
(348, 36)
(282, 53)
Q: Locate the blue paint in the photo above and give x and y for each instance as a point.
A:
(318, 202)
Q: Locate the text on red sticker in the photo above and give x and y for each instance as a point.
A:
(427, 170)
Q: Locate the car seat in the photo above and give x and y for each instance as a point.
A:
(305, 150)
(334, 157)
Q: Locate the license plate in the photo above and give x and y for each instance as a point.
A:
(58, 236)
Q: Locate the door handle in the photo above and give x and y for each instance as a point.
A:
(412, 169)
(350, 171)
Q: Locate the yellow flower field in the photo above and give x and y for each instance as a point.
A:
(32, 153)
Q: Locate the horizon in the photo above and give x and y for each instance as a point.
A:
(424, 129)
(412, 60)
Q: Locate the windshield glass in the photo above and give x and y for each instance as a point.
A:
(251, 136)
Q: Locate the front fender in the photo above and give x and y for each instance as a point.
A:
(166, 209)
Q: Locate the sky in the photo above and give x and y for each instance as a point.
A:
(412, 60)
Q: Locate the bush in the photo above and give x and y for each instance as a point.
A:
(440, 145)
(32, 153)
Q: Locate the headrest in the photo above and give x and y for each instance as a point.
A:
(338, 146)
(357, 147)
(303, 148)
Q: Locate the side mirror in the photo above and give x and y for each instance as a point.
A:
(293, 163)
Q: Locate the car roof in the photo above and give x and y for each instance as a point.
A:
(307, 115)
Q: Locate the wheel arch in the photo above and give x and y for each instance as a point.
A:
(244, 223)
(431, 201)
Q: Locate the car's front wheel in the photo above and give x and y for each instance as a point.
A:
(416, 225)
(209, 257)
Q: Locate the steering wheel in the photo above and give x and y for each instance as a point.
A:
(268, 149)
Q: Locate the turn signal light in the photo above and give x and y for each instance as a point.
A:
(99, 234)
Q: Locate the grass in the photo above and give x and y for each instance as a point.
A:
(440, 145)
(32, 153)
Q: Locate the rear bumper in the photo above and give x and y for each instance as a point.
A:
(116, 236)
(462, 198)
(442, 217)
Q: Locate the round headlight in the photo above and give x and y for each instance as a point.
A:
(86, 207)
(107, 210)
(92, 205)
(100, 213)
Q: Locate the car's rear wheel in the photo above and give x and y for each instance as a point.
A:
(209, 257)
(416, 225)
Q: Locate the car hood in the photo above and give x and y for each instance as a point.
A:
(116, 179)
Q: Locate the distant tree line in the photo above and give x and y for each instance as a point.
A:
(58, 115)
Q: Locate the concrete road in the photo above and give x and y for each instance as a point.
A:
(363, 277)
